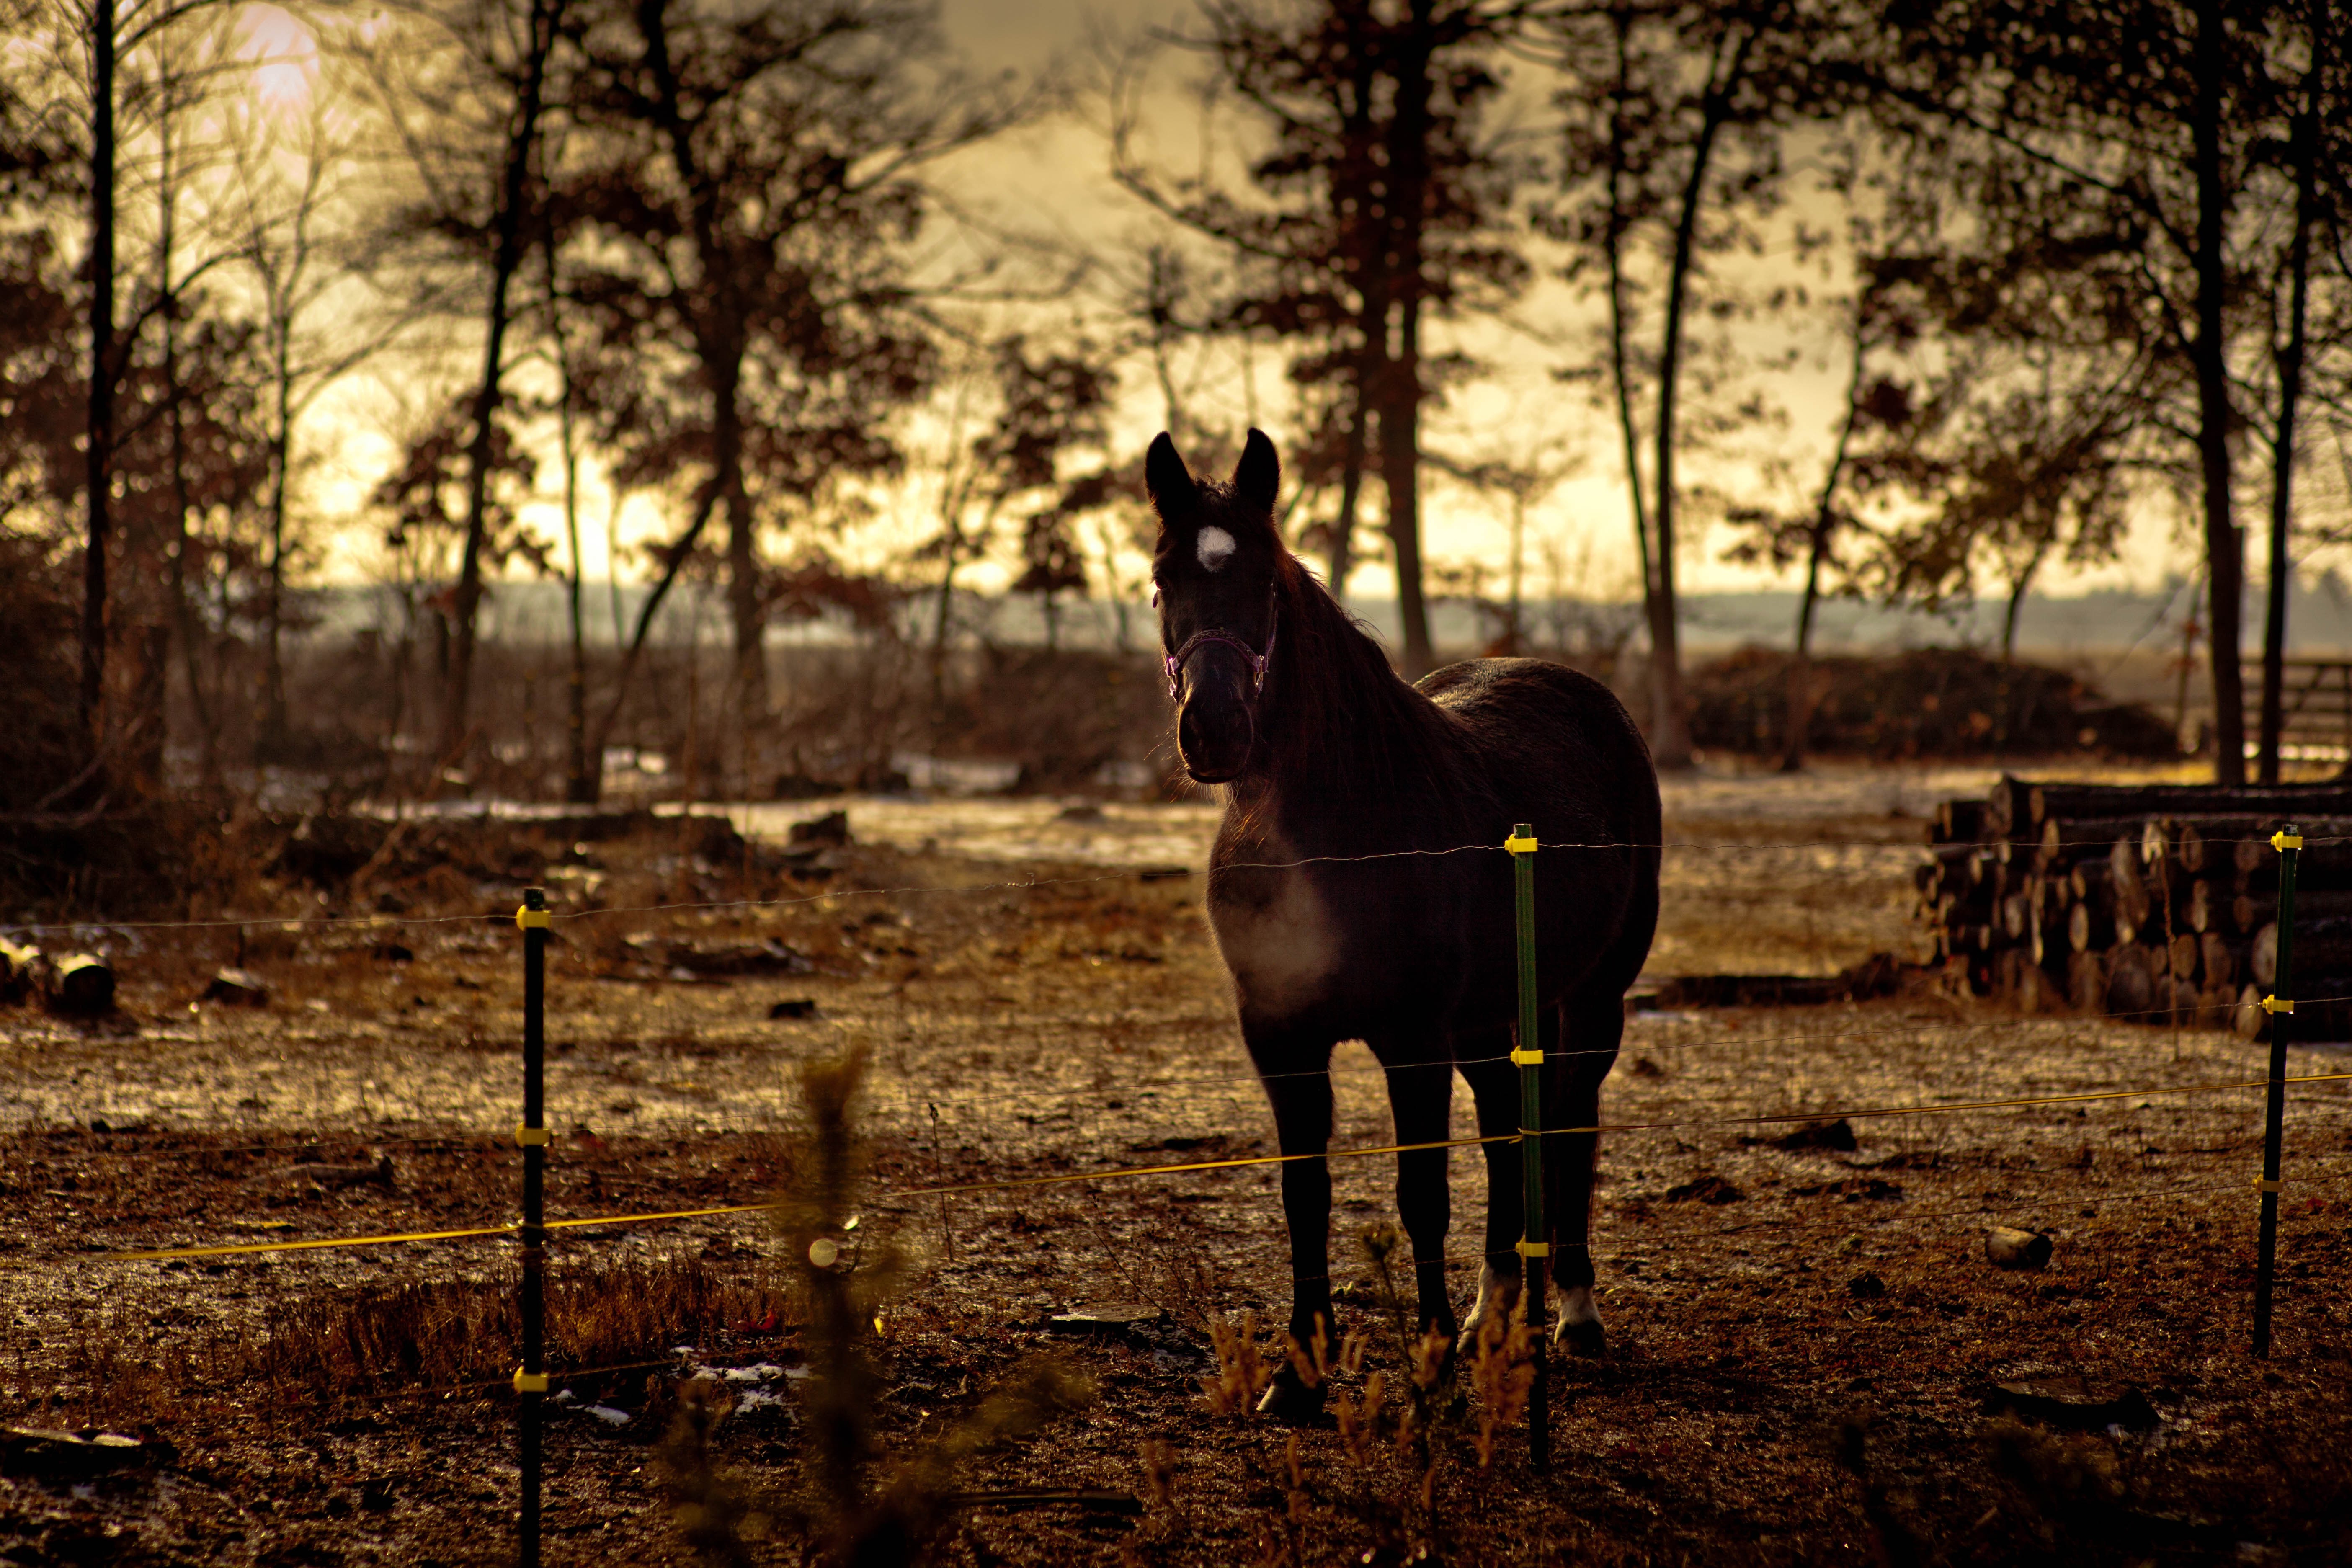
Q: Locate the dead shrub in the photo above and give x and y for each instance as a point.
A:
(444, 1333)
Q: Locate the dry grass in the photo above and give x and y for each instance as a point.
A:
(431, 1334)
(424, 1336)
(1754, 1407)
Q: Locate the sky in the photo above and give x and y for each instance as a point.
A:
(1050, 178)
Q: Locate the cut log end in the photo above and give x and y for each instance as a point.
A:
(2007, 1247)
(81, 983)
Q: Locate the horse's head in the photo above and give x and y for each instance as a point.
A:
(1213, 575)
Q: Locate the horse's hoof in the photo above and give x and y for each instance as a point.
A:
(1497, 1294)
(1579, 1328)
(1291, 1401)
(1587, 1339)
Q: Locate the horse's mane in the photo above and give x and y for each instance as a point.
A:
(1341, 726)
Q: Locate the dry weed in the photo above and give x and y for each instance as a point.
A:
(712, 1514)
(1242, 1372)
(1502, 1370)
(442, 1334)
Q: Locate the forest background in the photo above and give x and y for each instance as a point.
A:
(853, 316)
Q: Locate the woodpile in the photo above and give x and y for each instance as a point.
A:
(79, 983)
(2157, 903)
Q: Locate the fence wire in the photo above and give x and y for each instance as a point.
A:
(1743, 1041)
(88, 929)
(1065, 1178)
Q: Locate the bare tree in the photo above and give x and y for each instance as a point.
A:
(200, 379)
(2128, 144)
(583, 780)
(510, 228)
(745, 194)
(292, 200)
(1376, 200)
(2311, 154)
(105, 32)
(1675, 118)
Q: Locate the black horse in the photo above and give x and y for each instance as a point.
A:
(1359, 889)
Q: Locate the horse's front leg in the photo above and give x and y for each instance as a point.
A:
(1421, 1096)
(1298, 1087)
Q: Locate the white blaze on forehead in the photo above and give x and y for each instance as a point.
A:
(1214, 549)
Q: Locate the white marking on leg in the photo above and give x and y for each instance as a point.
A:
(1576, 1311)
(1214, 548)
(1498, 1293)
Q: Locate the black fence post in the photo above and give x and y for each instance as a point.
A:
(2280, 1007)
(1527, 1054)
(530, 1378)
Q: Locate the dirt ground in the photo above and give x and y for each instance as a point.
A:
(1806, 1341)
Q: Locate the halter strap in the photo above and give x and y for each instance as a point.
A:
(1257, 661)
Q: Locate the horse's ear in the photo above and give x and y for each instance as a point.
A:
(1258, 476)
(1174, 496)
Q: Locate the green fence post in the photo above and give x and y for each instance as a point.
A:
(530, 1378)
(2280, 1004)
(1534, 1247)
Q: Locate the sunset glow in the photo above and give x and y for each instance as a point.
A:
(285, 53)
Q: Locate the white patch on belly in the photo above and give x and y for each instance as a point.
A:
(1282, 952)
(1214, 548)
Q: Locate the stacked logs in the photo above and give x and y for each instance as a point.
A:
(2152, 902)
(77, 982)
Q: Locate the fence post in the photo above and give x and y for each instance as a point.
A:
(1527, 1054)
(2280, 1007)
(530, 1378)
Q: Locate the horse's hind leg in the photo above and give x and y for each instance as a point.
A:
(1494, 1086)
(1591, 1025)
(1422, 1096)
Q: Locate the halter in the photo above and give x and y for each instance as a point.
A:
(1257, 661)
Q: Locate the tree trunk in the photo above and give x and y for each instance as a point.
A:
(1364, 255)
(98, 453)
(2290, 379)
(2322, 946)
(179, 607)
(1800, 668)
(749, 681)
(718, 335)
(2018, 587)
(582, 783)
(183, 613)
(2279, 803)
(1670, 742)
(1401, 471)
(1163, 293)
(587, 780)
(505, 260)
(678, 553)
(2015, 602)
(1614, 243)
(613, 559)
(2225, 551)
(1351, 490)
(1511, 636)
(952, 540)
(272, 739)
(1401, 408)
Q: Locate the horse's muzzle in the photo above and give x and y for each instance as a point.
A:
(1216, 729)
